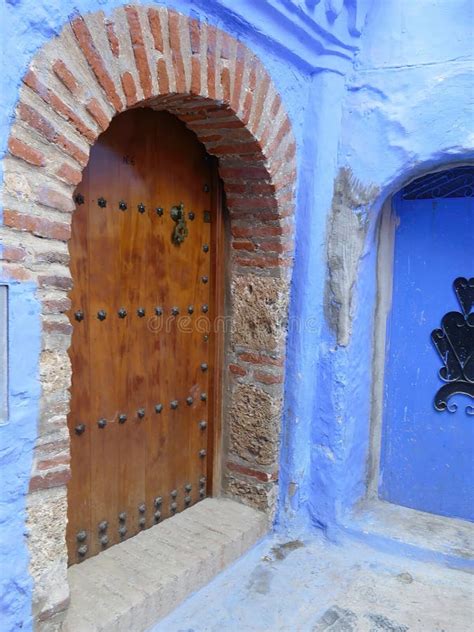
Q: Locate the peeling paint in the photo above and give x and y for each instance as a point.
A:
(348, 223)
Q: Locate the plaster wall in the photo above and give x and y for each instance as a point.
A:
(407, 109)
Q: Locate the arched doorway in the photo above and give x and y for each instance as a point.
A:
(427, 433)
(100, 65)
(144, 308)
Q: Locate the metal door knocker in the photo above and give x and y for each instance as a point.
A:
(180, 231)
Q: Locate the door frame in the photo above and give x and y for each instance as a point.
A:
(218, 290)
(386, 232)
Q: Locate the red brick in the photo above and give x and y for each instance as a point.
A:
(46, 129)
(252, 202)
(260, 358)
(55, 281)
(175, 46)
(211, 61)
(260, 102)
(40, 226)
(129, 88)
(56, 305)
(54, 199)
(226, 45)
(238, 76)
(222, 126)
(285, 128)
(155, 27)
(55, 461)
(69, 174)
(52, 99)
(16, 272)
(195, 74)
(244, 173)
(51, 479)
(95, 110)
(243, 245)
(275, 246)
(268, 378)
(13, 253)
(195, 36)
(86, 43)
(247, 107)
(275, 107)
(27, 153)
(235, 369)
(57, 327)
(252, 473)
(113, 39)
(252, 80)
(73, 150)
(238, 149)
(163, 79)
(238, 187)
(139, 51)
(66, 77)
(290, 153)
(260, 231)
(37, 121)
(225, 83)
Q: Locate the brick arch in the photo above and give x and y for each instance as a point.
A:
(96, 68)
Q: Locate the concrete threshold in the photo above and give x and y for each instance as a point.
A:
(417, 534)
(134, 584)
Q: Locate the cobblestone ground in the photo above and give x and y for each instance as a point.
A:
(299, 586)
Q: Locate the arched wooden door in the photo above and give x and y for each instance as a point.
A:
(144, 249)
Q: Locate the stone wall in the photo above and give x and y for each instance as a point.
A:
(96, 68)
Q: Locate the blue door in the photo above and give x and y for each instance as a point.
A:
(427, 458)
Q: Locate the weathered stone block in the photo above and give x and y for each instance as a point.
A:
(259, 308)
(46, 523)
(254, 428)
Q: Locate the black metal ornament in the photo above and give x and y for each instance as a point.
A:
(180, 231)
(454, 342)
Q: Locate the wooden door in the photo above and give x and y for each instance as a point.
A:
(144, 251)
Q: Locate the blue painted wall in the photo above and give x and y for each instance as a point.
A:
(407, 109)
(401, 108)
(17, 438)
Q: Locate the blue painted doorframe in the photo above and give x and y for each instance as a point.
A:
(427, 456)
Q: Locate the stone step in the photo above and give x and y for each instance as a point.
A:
(134, 584)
